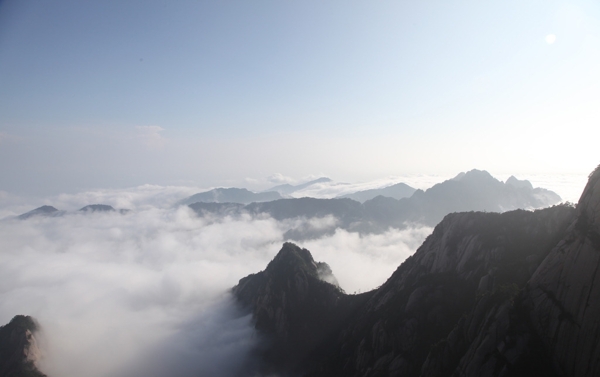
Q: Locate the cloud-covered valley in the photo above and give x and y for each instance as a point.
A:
(131, 294)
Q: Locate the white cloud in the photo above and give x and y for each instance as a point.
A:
(150, 136)
(361, 263)
(279, 178)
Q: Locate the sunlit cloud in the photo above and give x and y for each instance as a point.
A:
(550, 38)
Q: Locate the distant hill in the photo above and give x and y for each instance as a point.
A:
(397, 191)
(42, 211)
(287, 189)
(49, 211)
(231, 195)
(97, 208)
(472, 191)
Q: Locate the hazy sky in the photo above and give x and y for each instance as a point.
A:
(123, 93)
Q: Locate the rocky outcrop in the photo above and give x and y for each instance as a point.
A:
(19, 352)
(564, 293)
(294, 308)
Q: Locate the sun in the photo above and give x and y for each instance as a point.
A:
(550, 38)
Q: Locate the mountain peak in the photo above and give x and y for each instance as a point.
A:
(40, 211)
(292, 256)
(473, 174)
(518, 183)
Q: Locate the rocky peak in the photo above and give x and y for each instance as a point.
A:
(293, 306)
(19, 352)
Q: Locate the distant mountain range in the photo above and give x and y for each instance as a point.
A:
(231, 195)
(49, 211)
(472, 191)
(397, 191)
(287, 189)
(244, 196)
(487, 294)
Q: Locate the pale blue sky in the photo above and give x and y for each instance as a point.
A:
(121, 93)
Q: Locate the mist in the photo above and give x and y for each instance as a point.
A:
(146, 293)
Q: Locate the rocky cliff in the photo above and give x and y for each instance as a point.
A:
(18, 348)
(564, 293)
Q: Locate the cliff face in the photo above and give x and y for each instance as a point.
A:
(18, 348)
(564, 293)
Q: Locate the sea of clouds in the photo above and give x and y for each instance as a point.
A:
(146, 293)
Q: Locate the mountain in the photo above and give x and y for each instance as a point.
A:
(293, 295)
(397, 191)
(231, 195)
(287, 189)
(18, 348)
(43, 211)
(49, 211)
(97, 208)
(563, 295)
(472, 191)
(487, 294)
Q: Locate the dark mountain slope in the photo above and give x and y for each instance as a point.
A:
(470, 262)
(18, 348)
(564, 293)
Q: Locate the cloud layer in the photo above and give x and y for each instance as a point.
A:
(123, 295)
